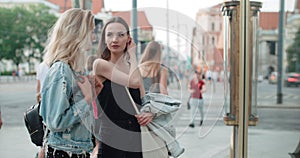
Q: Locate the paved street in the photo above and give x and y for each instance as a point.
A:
(276, 134)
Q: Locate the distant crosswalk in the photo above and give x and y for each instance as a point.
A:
(183, 117)
(187, 117)
(182, 120)
(274, 96)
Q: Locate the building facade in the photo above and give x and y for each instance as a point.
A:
(207, 42)
(206, 36)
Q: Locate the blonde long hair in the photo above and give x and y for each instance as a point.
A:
(69, 37)
(151, 59)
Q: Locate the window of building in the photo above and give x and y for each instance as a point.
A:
(213, 40)
(212, 26)
(271, 45)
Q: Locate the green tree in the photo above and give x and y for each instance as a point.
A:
(293, 54)
(24, 29)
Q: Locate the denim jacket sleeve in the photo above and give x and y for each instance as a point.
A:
(57, 110)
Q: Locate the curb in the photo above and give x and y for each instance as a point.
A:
(279, 106)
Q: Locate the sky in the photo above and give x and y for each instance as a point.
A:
(190, 6)
(182, 14)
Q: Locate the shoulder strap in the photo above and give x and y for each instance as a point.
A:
(132, 101)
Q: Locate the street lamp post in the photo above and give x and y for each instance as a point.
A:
(168, 45)
(134, 24)
(280, 52)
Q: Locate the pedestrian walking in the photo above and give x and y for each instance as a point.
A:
(154, 74)
(66, 104)
(119, 132)
(196, 88)
(21, 74)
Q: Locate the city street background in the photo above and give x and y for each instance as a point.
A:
(275, 136)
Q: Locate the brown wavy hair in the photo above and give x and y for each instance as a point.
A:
(103, 51)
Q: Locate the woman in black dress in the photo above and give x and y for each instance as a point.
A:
(119, 127)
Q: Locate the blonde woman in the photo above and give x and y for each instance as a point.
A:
(67, 95)
(154, 74)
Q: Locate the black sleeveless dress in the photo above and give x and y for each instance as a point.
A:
(119, 131)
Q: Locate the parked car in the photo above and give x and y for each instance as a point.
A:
(273, 77)
(292, 79)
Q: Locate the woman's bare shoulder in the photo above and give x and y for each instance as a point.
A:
(102, 64)
(102, 67)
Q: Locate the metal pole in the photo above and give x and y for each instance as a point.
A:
(280, 52)
(243, 80)
(178, 40)
(168, 51)
(65, 5)
(134, 22)
(225, 54)
(75, 4)
(296, 69)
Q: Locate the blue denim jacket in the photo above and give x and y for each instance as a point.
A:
(163, 106)
(64, 111)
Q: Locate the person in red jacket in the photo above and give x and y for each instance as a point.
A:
(196, 87)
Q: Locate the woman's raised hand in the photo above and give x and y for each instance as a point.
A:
(131, 47)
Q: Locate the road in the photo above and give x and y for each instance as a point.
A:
(276, 133)
(15, 98)
(212, 139)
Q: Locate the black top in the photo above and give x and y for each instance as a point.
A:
(151, 84)
(115, 102)
(118, 125)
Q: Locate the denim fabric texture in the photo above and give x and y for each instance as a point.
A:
(163, 106)
(65, 112)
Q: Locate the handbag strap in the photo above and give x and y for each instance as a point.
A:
(46, 132)
(132, 101)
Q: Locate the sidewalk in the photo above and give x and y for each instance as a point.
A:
(273, 104)
(15, 143)
(262, 143)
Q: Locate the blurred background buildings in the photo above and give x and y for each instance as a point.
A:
(206, 46)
